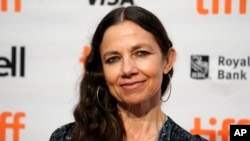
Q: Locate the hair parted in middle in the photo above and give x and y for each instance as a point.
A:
(92, 121)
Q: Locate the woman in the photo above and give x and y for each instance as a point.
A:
(126, 74)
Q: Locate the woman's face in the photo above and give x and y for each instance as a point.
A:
(133, 64)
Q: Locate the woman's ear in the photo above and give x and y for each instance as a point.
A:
(169, 60)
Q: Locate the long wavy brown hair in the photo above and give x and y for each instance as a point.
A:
(103, 123)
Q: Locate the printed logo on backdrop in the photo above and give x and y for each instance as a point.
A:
(5, 5)
(228, 7)
(199, 66)
(14, 125)
(230, 68)
(111, 2)
(227, 68)
(85, 53)
(15, 64)
(211, 133)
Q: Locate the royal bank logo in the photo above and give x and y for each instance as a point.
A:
(233, 68)
(199, 66)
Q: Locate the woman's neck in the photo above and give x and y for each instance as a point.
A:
(142, 121)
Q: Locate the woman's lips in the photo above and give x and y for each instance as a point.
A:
(131, 86)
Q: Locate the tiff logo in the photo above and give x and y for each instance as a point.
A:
(215, 6)
(12, 64)
(212, 133)
(15, 125)
(83, 58)
(4, 5)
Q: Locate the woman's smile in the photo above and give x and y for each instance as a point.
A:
(133, 85)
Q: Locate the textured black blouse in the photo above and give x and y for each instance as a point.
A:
(169, 132)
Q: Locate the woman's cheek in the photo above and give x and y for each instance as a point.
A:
(111, 74)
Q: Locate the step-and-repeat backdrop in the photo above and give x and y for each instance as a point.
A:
(43, 44)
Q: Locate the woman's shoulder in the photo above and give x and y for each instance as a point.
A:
(63, 133)
(172, 131)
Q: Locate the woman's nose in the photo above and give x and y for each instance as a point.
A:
(128, 67)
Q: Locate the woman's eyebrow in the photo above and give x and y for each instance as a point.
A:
(108, 53)
(133, 48)
(139, 46)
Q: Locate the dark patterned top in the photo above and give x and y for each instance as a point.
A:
(169, 132)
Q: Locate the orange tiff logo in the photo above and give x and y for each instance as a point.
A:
(4, 5)
(15, 125)
(83, 58)
(211, 133)
(86, 51)
(215, 6)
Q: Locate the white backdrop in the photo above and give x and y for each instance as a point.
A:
(42, 41)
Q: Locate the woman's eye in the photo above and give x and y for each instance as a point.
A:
(142, 53)
(111, 60)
